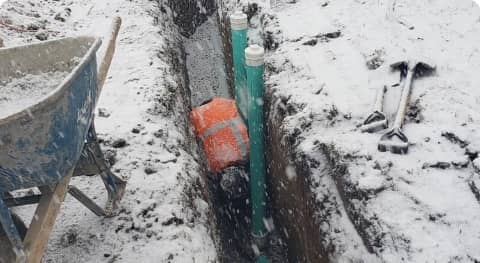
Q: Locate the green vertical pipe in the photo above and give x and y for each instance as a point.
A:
(238, 24)
(254, 68)
(262, 259)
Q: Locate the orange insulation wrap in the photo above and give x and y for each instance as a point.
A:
(223, 133)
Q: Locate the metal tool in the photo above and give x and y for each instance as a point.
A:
(376, 120)
(395, 140)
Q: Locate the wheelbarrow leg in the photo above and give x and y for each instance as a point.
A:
(44, 218)
(115, 186)
(93, 162)
(11, 231)
(86, 201)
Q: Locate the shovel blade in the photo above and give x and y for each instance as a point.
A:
(420, 68)
(394, 141)
(401, 66)
(423, 69)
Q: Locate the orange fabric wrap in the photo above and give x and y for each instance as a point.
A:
(213, 123)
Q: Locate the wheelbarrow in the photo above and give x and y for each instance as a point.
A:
(47, 142)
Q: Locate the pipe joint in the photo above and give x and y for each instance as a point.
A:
(254, 56)
(238, 21)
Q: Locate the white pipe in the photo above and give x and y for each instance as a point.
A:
(238, 21)
(254, 56)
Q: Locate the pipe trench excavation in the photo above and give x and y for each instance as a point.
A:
(239, 131)
(236, 181)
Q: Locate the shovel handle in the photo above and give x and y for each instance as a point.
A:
(107, 57)
(402, 106)
(379, 99)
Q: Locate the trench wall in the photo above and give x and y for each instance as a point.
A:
(294, 205)
(224, 24)
(189, 14)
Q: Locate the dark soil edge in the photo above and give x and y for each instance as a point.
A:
(293, 203)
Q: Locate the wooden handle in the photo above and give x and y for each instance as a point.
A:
(106, 60)
(42, 223)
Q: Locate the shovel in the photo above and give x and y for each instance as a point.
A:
(395, 140)
(376, 120)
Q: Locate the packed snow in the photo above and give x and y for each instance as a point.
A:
(20, 93)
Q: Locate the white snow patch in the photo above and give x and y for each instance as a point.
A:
(290, 172)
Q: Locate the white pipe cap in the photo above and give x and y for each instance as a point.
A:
(254, 55)
(238, 20)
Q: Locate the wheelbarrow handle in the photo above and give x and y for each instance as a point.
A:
(107, 56)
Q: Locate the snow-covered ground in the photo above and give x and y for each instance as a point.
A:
(404, 207)
(161, 218)
(393, 208)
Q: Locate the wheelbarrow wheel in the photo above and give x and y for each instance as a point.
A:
(6, 252)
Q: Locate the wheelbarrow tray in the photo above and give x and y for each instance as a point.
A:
(41, 143)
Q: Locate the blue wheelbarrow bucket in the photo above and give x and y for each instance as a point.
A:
(43, 129)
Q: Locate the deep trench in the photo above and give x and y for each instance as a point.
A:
(290, 205)
(208, 77)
